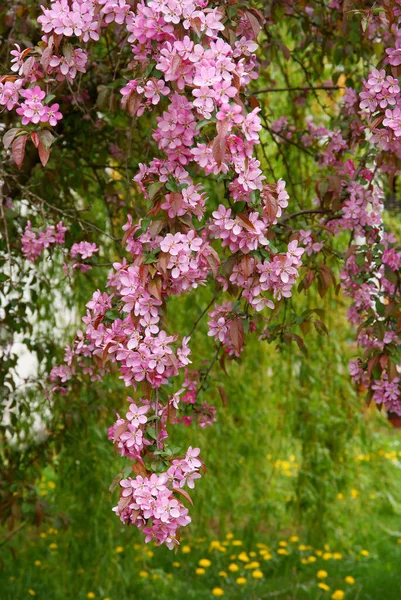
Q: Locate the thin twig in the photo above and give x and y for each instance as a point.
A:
(299, 89)
(202, 315)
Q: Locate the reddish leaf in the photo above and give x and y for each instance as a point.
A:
(123, 502)
(270, 208)
(223, 395)
(119, 430)
(245, 222)
(246, 266)
(237, 333)
(284, 50)
(35, 139)
(47, 138)
(9, 136)
(185, 494)
(155, 288)
(219, 149)
(139, 469)
(254, 23)
(18, 149)
(44, 154)
(213, 260)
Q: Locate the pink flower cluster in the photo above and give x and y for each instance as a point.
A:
(33, 243)
(151, 503)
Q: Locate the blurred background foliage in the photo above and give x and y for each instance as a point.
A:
(298, 466)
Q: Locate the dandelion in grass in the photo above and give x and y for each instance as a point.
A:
(257, 574)
(186, 549)
(205, 562)
(143, 574)
(119, 549)
(90, 595)
(323, 586)
(217, 591)
(31, 592)
(243, 557)
(176, 564)
(283, 552)
(233, 567)
(338, 595)
(223, 574)
(350, 580)
(37, 563)
(241, 580)
(365, 552)
(200, 571)
(322, 574)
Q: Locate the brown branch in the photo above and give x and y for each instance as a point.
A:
(299, 89)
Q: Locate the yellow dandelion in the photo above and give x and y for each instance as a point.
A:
(53, 546)
(90, 595)
(176, 564)
(354, 495)
(229, 536)
(243, 557)
(31, 592)
(223, 574)
(149, 553)
(267, 556)
(252, 565)
(43, 534)
(322, 574)
(283, 544)
(106, 599)
(169, 576)
(186, 549)
(340, 496)
(51, 485)
(311, 559)
(143, 574)
(365, 552)
(318, 552)
(37, 563)
(200, 571)
(323, 586)
(399, 541)
(217, 591)
(156, 576)
(304, 561)
(327, 555)
(257, 574)
(119, 549)
(241, 580)
(283, 552)
(205, 562)
(338, 595)
(302, 547)
(233, 556)
(350, 580)
(233, 567)
(337, 555)
(236, 543)
(252, 554)
(294, 539)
